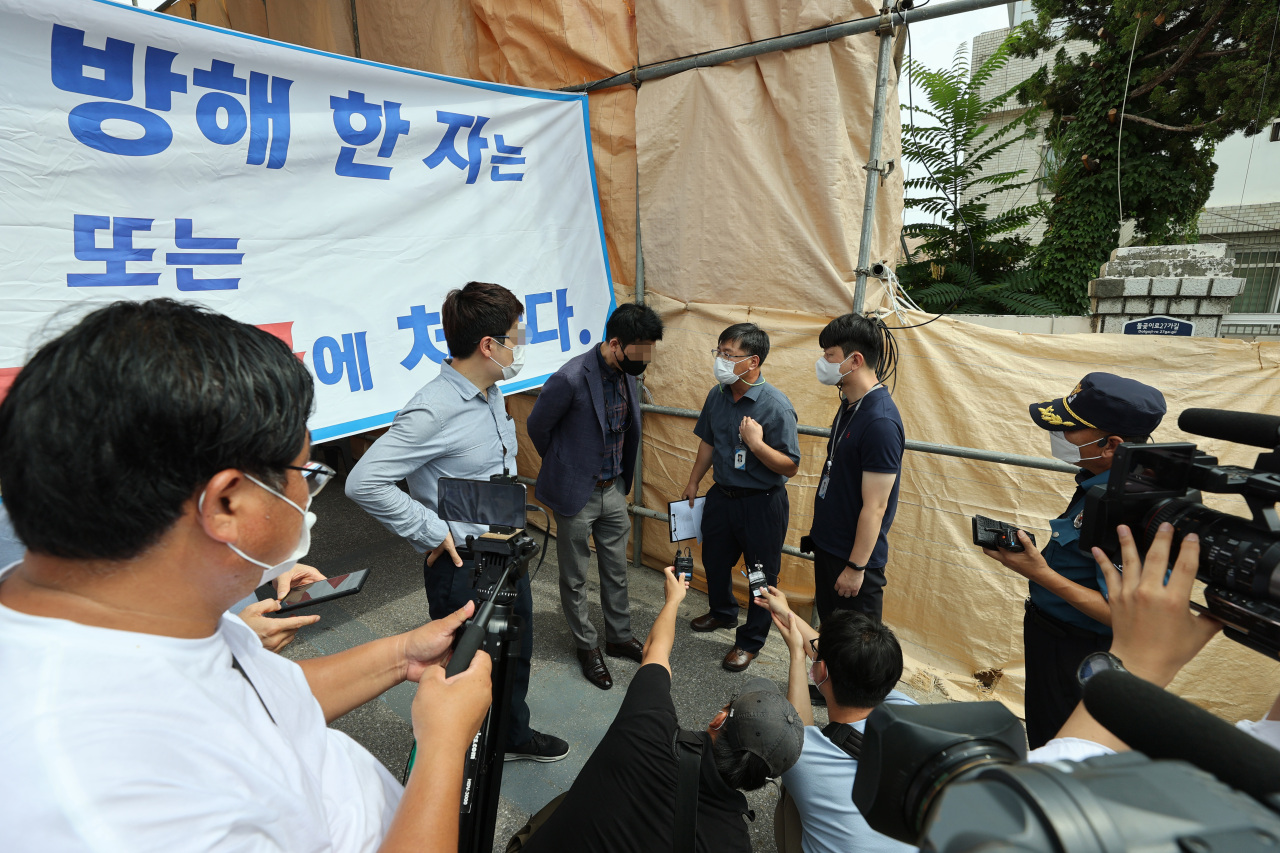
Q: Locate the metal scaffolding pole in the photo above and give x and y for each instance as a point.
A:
(876, 171)
(670, 67)
(637, 541)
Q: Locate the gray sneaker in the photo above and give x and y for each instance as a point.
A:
(540, 747)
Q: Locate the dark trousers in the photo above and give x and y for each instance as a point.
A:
(755, 527)
(1053, 651)
(826, 568)
(448, 588)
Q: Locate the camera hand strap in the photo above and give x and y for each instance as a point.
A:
(844, 736)
(688, 750)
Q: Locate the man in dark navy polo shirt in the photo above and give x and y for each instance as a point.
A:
(749, 438)
(857, 495)
(1068, 616)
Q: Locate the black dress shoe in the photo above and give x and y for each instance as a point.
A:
(711, 622)
(593, 668)
(630, 649)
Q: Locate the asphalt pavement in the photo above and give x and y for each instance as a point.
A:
(561, 701)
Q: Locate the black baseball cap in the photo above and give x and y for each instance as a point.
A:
(1103, 401)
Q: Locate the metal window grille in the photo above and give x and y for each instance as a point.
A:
(1261, 274)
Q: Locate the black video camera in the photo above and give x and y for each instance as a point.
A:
(951, 779)
(1239, 557)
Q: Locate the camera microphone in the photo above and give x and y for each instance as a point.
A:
(1240, 427)
(1163, 726)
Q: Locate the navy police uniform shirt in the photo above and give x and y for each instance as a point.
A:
(718, 426)
(869, 438)
(1064, 556)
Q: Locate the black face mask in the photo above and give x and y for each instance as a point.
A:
(629, 366)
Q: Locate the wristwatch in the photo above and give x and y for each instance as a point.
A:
(851, 564)
(1096, 663)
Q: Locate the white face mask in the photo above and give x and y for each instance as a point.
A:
(723, 370)
(828, 373)
(1065, 451)
(270, 572)
(816, 683)
(512, 370)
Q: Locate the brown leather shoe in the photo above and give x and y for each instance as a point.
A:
(593, 668)
(737, 660)
(630, 649)
(711, 622)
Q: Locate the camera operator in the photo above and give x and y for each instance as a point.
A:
(625, 798)
(1067, 614)
(154, 461)
(457, 426)
(856, 664)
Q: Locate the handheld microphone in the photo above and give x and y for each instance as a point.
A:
(1163, 726)
(1240, 427)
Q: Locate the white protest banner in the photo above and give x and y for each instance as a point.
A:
(330, 200)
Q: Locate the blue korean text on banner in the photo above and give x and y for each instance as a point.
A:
(145, 155)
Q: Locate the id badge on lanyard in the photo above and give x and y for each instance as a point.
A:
(826, 480)
(740, 456)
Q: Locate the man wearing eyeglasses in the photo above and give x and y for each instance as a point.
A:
(137, 714)
(586, 427)
(457, 426)
(748, 436)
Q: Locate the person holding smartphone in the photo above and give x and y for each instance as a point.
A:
(457, 426)
(137, 713)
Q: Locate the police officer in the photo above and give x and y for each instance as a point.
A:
(1067, 614)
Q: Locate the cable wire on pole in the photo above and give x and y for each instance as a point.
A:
(1123, 101)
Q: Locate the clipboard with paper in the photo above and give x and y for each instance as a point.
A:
(685, 520)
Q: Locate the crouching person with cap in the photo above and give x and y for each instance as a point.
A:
(1068, 617)
(650, 785)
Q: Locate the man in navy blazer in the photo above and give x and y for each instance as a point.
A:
(586, 426)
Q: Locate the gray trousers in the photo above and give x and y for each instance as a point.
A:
(605, 519)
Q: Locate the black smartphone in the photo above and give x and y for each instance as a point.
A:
(989, 533)
(321, 591)
(481, 502)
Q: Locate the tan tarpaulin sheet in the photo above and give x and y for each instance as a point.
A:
(958, 613)
(751, 196)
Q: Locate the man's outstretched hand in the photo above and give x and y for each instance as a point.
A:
(1156, 633)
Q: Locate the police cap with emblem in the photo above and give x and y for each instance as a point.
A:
(1107, 402)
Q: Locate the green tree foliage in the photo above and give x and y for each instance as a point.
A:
(970, 262)
(1200, 72)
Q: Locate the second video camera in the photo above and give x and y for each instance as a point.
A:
(1239, 557)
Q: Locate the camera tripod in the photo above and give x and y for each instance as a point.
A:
(497, 630)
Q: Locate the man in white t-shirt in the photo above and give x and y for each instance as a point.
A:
(856, 664)
(155, 463)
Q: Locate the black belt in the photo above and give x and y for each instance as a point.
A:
(604, 484)
(742, 493)
(1058, 628)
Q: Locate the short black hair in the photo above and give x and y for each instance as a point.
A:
(751, 339)
(863, 658)
(477, 311)
(112, 426)
(739, 768)
(854, 333)
(631, 322)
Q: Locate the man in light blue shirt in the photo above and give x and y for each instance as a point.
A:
(856, 664)
(457, 426)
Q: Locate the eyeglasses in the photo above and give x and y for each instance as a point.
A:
(729, 356)
(316, 475)
(813, 644)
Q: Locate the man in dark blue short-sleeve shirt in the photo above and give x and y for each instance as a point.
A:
(857, 495)
(748, 436)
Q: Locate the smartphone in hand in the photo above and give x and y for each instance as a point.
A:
(320, 591)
